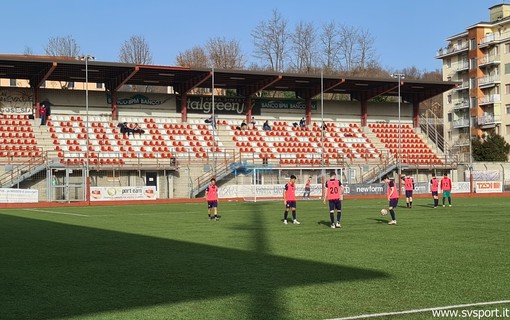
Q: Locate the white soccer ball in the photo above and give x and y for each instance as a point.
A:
(384, 212)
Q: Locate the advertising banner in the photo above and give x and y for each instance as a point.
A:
(283, 104)
(123, 193)
(365, 189)
(263, 191)
(460, 187)
(488, 186)
(137, 99)
(487, 175)
(240, 191)
(16, 102)
(9, 195)
(222, 105)
(349, 189)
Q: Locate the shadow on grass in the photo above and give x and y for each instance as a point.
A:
(51, 270)
(379, 220)
(325, 223)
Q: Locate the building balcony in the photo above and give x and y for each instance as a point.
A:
(488, 81)
(489, 60)
(461, 123)
(461, 142)
(489, 99)
(488, 120)
(460, 104)
(452, 49)
(463, 86)
(493, 38)
(461, 66)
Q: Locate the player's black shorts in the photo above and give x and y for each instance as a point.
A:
(335, 204)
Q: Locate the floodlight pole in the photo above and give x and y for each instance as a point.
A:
(213, 122)
(323, 173)
(87, 58)
(400, 77)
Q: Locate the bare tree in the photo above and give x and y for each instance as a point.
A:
(303, 48)
(349, 55)
(434, 104)
(225, 54)
(270, 41)
(366, 48)
(372, 70)
(135, 50)
(329, 48)
(194, 57)
(62, 46)
(28, 51)
(411, 73)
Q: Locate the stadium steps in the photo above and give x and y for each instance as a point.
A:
(16, 174)
(222, 170)
(414, 151)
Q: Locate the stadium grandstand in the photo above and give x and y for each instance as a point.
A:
(89, 146)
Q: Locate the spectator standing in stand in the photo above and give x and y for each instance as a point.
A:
(42, 113)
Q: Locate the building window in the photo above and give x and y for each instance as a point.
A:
(507, 68)
(472, 44)
(449, 98)
(450, 117)
(507, 88)
(473, 83)
(12, 82)
(507, 47)
(472, 63)
(474, 102)
(507, 107)
(449, 62)
(99, 85)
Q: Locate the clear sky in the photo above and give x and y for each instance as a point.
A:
(407, 32)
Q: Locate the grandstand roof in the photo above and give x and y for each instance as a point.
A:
(37, 69)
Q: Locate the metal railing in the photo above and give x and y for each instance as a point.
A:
(20, 171)
(430, 124)
(219, 171)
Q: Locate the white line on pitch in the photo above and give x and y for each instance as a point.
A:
(56, 212)
(384, 314)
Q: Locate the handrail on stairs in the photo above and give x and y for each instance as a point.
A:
(7, 178)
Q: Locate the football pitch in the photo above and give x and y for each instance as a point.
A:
(167, 261)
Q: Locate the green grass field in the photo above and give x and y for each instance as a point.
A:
(170, 262)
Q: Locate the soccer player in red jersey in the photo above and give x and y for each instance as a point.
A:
(434, 188)
(446, 187)
(289, 199)
(334, 194)
(409, 188)
(211, 194)
(392, 195)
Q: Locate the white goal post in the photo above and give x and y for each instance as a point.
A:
(273, 190)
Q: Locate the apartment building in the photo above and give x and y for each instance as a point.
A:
(479, 59)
